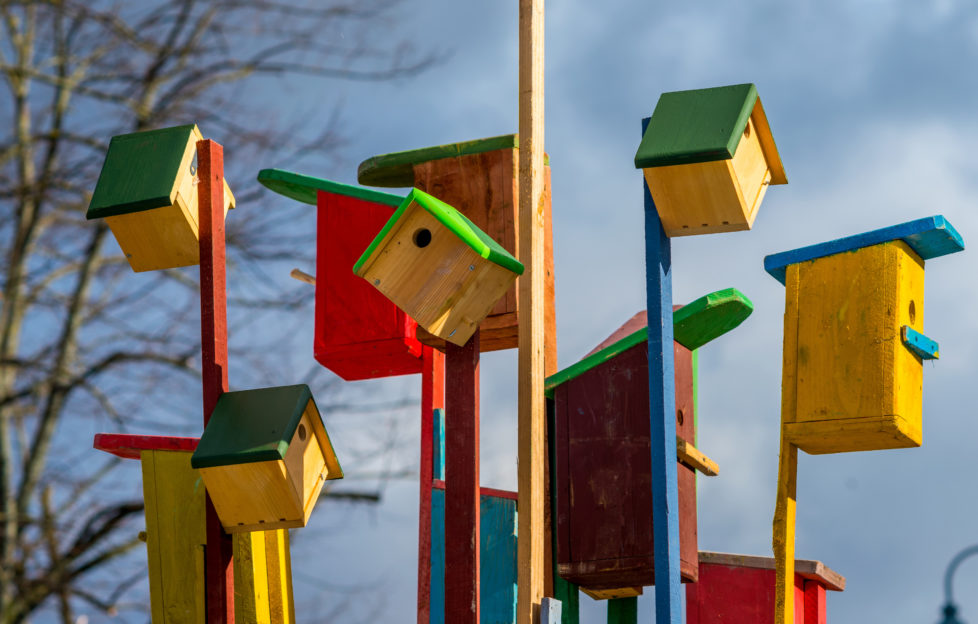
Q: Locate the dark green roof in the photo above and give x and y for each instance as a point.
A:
(397, 169)
(694, 325)
(251, 426)
(468, 232)
(303, 188)
(701, 125)
(139, 171)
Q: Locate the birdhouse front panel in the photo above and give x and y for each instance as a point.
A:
(708, 157)
(603, 482)
(858, 386)
(147, 194)
(437, 267)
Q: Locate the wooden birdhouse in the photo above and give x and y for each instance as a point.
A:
(853, 347)
(602, 476)
(740, 588)
(708, 157)
(438, 267)
(479, 179)
(359, 333)
(147, 194)
(264, 457)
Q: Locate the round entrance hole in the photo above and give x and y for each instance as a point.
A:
(422, 237)
(302, 432)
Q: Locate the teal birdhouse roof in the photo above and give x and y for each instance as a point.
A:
(140, 171)
(704, 125)
(252, 426)
(456, 222)
(304, 188)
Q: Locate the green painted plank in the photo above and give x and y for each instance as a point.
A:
(139, 171)
(623, 611)
(397, 169)
(304, 188)
(564, 591)
(700, 125)
(468, 232)
(694, 325)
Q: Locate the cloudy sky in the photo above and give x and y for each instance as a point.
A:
(872, 104)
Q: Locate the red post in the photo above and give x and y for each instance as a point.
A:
(432, 398)
(219, 571)
(462, 482)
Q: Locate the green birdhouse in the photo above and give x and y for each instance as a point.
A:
(708, 157)
(264, 457)
(147, 194)
(438, 267)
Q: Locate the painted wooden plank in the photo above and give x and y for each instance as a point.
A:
(919, 344)
(694, 458)
(814, 603)
(250, 578)
(305, 188)
(808, 569)
(432, 465)
(930, 237)
(563, 590)
(784, 534)
(214, 359)
(281, 606)
(532, 421)
(174, 498)
(623, 611)
(399, 169)
(462, 482)
(129, 446)
(438, 460)
(550, 610)
(665, 493)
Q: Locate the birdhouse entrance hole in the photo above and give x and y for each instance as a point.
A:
(422, 237)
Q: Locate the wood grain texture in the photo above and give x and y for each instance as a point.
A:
(732, 594)
(695, 459)
(214, 360)
(814, 603)
(272, 503)
(623, 611)
(432, 437)
(305, 463)
(462, 534)
(250, 578)
(278, 558)
(175, 537)
(532, 328)
(612, 593)
(783, 540)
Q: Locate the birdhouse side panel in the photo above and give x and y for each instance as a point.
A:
(733, 594)
(698, 198)
(305, 465)
(162, 238)
(254, 496)
(750, 169)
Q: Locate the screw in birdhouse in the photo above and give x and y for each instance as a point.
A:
(142, 536)
(376, 282)
(453, 333)
(472, 267)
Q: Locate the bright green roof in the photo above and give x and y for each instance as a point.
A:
(694, 325)
(139, 171)
(456, 222)
(304, 188)
(695, 126)
(251, 426)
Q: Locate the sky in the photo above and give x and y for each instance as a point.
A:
(871, 104)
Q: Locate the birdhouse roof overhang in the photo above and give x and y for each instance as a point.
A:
(705, 125)
(694, 325)
(806, 568)
(397, 169)
(455, 221)
(305, 188)
(141, 170)
(930, 237)
(256, 425)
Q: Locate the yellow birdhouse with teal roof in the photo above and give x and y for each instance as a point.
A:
(708, 157)
(264, 457)
(147, 194)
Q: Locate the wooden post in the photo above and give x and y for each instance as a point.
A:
(784, 534)
(532, 416)
(432, 398)
(662, 411)
(219, 570)
(462, 531)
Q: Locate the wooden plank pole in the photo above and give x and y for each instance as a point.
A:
(214, 360)
(784, 534)
(662, 411)
(532, 416)
(432, 398)
(462, 482)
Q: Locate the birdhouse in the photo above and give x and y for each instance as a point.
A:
(602, 477)
(708, 157)
(264, 457)
(438, 267)
(147, 194)
(853, 347)
(740, 588)
(479, 179)
(359, 333)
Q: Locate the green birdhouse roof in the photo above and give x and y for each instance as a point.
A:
(141, 171)
(456, 222)
(304, 188)
(704, 125)
(252, 426)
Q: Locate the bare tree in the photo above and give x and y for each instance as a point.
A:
(84, 343)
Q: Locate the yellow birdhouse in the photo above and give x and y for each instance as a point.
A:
(853, 347)
(708, 157)
(438, 267)
(264, 457)
(147, 194)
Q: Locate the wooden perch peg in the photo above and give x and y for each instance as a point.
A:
(302, 276)
(695, 459)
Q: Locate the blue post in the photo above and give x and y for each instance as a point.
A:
(662, 411)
